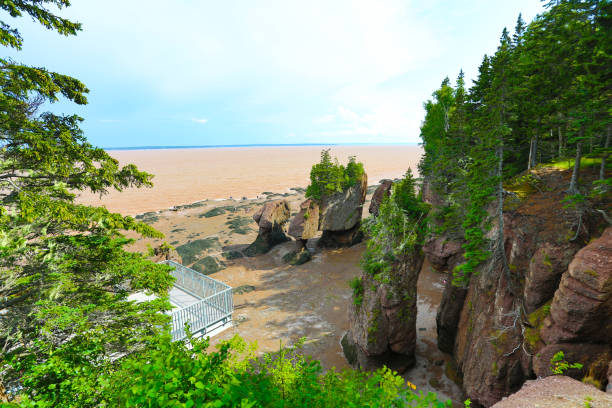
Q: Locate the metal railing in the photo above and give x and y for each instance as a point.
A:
(215, 304)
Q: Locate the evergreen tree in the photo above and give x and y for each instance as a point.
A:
(64, 275)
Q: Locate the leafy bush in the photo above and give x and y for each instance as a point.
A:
(328, 177)
(559, 366)
(189, 375)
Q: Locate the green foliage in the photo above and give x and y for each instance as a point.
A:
(65, 275)
(328, 177)
(357, 285)
(189, 374)
(398, 229)
(544, 93)
(559, 366)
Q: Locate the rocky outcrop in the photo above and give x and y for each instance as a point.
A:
(383, 325)
(340, 215)
(444, 255)
(593, 357)
(304, 226)
(582, 306)
(166, 253)
(544, 273)
(505, 334)
(382, 191)
(556, 392)
(305, 223)
(270, 219)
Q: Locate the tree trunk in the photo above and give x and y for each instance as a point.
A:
(534, 157)
(530, 154)
(573, 187)
(602, 168)
(560, 143)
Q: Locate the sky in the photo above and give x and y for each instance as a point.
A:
(200, 72)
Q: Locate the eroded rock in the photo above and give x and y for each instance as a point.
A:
(341, 211)
(444, 255)
(270, 219)
(383, 325)
(382, 191)
(582, 306)
(305, 223)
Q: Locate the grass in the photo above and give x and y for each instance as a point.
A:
(568, 164)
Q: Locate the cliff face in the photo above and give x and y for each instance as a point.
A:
(511, 323)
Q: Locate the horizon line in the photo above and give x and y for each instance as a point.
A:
(252, 145)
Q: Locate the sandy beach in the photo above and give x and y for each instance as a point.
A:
(185, 176)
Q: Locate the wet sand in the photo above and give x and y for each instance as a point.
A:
(284, 303)
(188, 175)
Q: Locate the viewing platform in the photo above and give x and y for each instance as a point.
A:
(200, 301)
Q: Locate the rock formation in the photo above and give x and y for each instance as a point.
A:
(556, 392)
(270, 219)
(165, 253)
(580, 320)
(444, 256)
(382, 191)
(553, 296)
(304, 226)
(383, 326)
(340, 216)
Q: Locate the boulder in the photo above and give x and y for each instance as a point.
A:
(383, 326)
(341, 211)
(382, 191)
(443, 254)
(556, 392)
(270, 219)
(272, 214)
(582, 306)
(305, 223)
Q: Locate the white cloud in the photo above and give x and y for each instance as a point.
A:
(199, 120)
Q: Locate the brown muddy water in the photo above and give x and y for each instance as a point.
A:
(187, 175)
